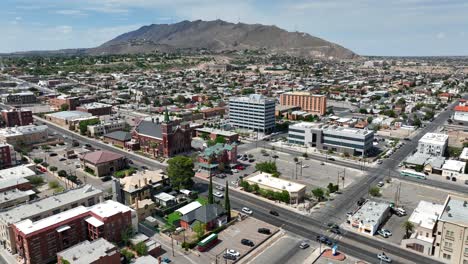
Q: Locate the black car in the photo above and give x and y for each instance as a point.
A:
(274, 213)
(229, 256)
(251, 160)
(361, 201)
(332, 225)
(324, 240)
(275, 156)
(88, 145)
(247, 242)
(263, 230)
(144, 167)
(53, 154)
(332, 159)
(336, 231)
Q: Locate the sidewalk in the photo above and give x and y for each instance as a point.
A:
(7, 256)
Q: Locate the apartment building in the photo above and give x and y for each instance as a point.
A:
(40, 241)
(17, 117)
(96, 109)
(106, 127)
(27, 135)
(57, 102)
(460, 115)
(451, 245)
(433, 144)
(20, 98)
(254, 112)
(334, 138)
(43, 208)
(7, 155)
(312, 103)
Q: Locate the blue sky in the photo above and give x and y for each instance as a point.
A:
(368, 27)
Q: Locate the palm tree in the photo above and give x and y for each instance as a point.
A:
(409, 227)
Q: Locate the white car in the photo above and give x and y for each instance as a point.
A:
(234, 170)
(305, 166)
(247, 210)
(233, 252)
(386, 231)
(218, 194)
(384, 257)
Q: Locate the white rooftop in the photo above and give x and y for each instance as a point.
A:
(189, 207)
(22, 130)
(464, 154)
(14, 194)
(109, 208)
(434, 139)
(305, 125)
(370, 213)
(276, 183)
(95, 105)
(94, 221)
(454, 165)
(16, 172)
(164, 197)
(88, 251)
(426, 214)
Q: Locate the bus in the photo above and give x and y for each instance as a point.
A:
(207, 242)
(414, 174)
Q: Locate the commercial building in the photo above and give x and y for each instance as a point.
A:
(57, 102)
(118, 138)
(451, 245)
(212, 133)
(96, 109)
(433, 144)
(17, 117)
(369, 217)
(255, 112)
(460, 115)
(312, 103)
(14, 197)
(165, 139)
(27, 135)
(106, 127)
(69, 119)
(424, 218)
(334, 138)
(40, 241)
(20, 98)
(16, 173)
(454, 170)
(103, 162)
(99, 251)
(7, 155)
(43, 208)
(266, 181)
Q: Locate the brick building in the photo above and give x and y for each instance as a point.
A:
(96, 109)
(40, 241)
(215, 111)
(103, 162)
(163, 139)
(7, 155)
(27, 135)
(217, 158)
(17, 117)
(57, 102)
(312, 103)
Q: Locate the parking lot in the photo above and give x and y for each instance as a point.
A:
(231, 237)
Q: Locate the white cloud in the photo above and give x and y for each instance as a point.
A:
(71, 12)
(440, 35)
(64, 29)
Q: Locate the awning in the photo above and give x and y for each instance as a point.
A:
(63, 228)
(94, 222)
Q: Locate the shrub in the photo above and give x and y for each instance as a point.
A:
(375, 191)
(53, 184)
(38, 160)
(36, 180)
(53, 168)
(62, 173)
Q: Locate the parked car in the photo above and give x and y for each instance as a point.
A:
(219, 187)
(384, 257)
(247, 210)
(251, 160)
(305, 166)
(218, 194)
(379, 161)
(62, 159)
(144, 167)
(382, 233)
(88, 145)
(332, 225)
(336, 231)
(247, 242)
(233, 252)
(386, 231)
(53, 154)
(166, 259)
(234, 170)
(263, 230)
(399, 211)
(304, 245)
(380, 184)
(275, 156)
(229, 256)
(332, 159)
(361, 201)
(272, 212)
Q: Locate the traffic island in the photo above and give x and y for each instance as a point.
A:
(328, 253)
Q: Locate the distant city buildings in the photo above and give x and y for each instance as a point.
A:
(27, 135)
(311, 103)
(96, 109)
(254, 112)
(20, 98)
(105, 127)
(17, 117)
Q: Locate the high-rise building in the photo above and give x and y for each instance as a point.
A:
(255, 112)
(312, 103)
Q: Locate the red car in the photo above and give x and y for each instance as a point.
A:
(240, 167)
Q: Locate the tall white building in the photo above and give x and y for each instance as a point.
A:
(433, 144)
(254, 112)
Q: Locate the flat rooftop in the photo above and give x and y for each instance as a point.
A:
(303, 125)
(70, 115)
(216, 131)
(109, 208)
(22, 130)
(37, 207)
(434, 139)
(276, 183)
(347, 130)
(455, 210)
(370, 213)
(426, 214)
(88, 251)
(17, 172)
(304, 93)
(14, 194)
(94, 105)
(253, 98)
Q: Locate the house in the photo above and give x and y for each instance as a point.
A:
(217, 158)
(102, 162)
(118, 138)
(211, 215)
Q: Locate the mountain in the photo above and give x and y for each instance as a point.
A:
(218, 36)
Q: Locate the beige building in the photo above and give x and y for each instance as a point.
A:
(43, 208)
(451, 245)
(142, 185)
(424, 219)
(26, 135)
(267, 181)
(312, 103)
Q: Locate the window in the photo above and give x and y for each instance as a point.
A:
(447, 256)
(448, 244)
(449, 233)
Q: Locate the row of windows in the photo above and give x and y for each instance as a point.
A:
(342, 144)
(296, 130)
(349, 138)
(295, 136)
(295, 142)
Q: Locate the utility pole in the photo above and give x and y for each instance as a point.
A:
(172, 245)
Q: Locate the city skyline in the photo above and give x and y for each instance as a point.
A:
(393, 28)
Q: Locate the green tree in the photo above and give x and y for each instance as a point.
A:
(363, 111)
(180, 172)
(53, 168)
(210, 191)
(64, 107)
(199, 229)
(268, 167)
(319, 194)
(296, 159)
(409, 227)
(126, 235)
(37, 160)
(375, 191)
(128, 255)
(62, 173)
(141, 249)
(305, 155)
(416, 121)
(83, 125)
(220, 139)
(227, 202)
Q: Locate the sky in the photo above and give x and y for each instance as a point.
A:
(367, 27)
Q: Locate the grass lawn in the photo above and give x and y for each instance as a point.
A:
(174, 216)
(202, 200)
